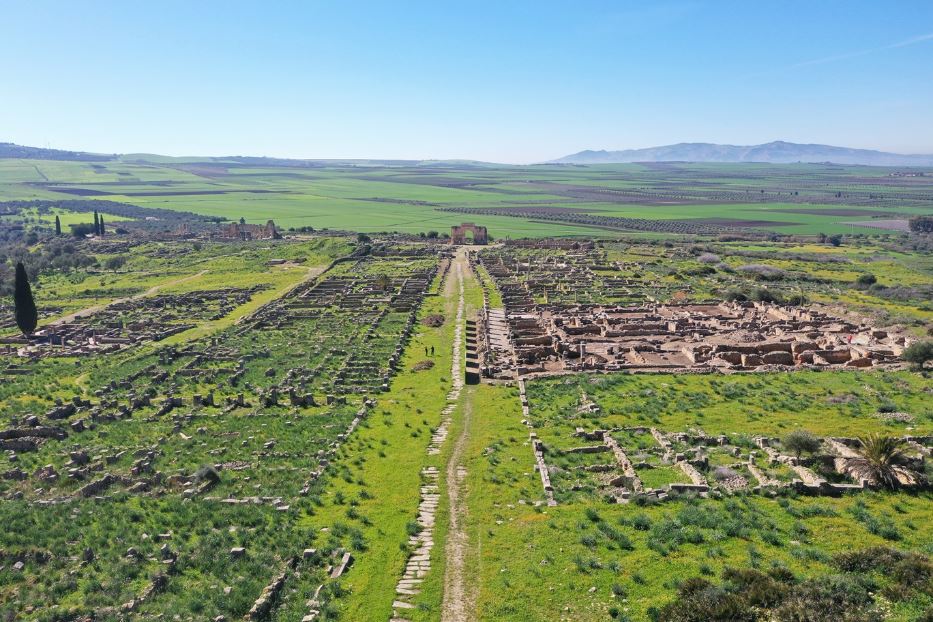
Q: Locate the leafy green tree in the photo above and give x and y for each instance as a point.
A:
(802, 441)
(96, 223)
(27, 317)
(918, 353)
(101, 226)
(58, 225)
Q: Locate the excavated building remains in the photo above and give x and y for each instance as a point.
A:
(243, 231)
(128, 322)
(633, 452)
(726, 336)
(574, 311)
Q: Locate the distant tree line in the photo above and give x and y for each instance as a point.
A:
(125, 210)
(11, 150)
(55, 255)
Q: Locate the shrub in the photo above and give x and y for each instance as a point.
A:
(699, 600)
(829, 598)
(723, 473)
(434, 320)
(207, 474)
(80, 230)
(801, 441)
(763, 294)
(641, 522)
(423, 365)
(866, 560)
(757, 588)
(918, 353)
(709, 258)
(762, 272)
(735, 295)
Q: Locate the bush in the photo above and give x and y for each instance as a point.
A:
(723, 473)
(207, 474)
(829, 598)
(866, 560)
(748, 594)
(801, 441)
(641, 522)
(734, 295)
(434, 320)
(698, 600)
(762, 272)
(82, 229)
(866, 280)
(708, 258)
(919, 353)
(763, 294)
(758, 589)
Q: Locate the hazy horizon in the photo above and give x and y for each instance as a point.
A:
(326, 158)
(520, 83)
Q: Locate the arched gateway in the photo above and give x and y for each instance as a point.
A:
(458, 233)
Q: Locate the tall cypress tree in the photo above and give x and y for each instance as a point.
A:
(102, 230)
(96, 223)
(27, 317)
(58, 225)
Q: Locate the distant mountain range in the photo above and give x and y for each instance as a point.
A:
(21, 152)
(777, 152)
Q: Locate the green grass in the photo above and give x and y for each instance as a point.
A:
(531, 562)
(840, 403)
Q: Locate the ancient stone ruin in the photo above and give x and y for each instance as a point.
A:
(725, 336)
(240, 231)
(458, 233)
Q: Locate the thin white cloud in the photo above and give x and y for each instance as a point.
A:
(912, 40)
(848, 55)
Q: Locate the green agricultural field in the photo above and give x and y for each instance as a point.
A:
(513, 201)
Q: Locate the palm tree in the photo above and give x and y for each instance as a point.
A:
(881, 462)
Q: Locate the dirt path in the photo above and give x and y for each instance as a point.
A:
(458, 603)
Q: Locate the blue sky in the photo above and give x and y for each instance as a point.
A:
(503, 81)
